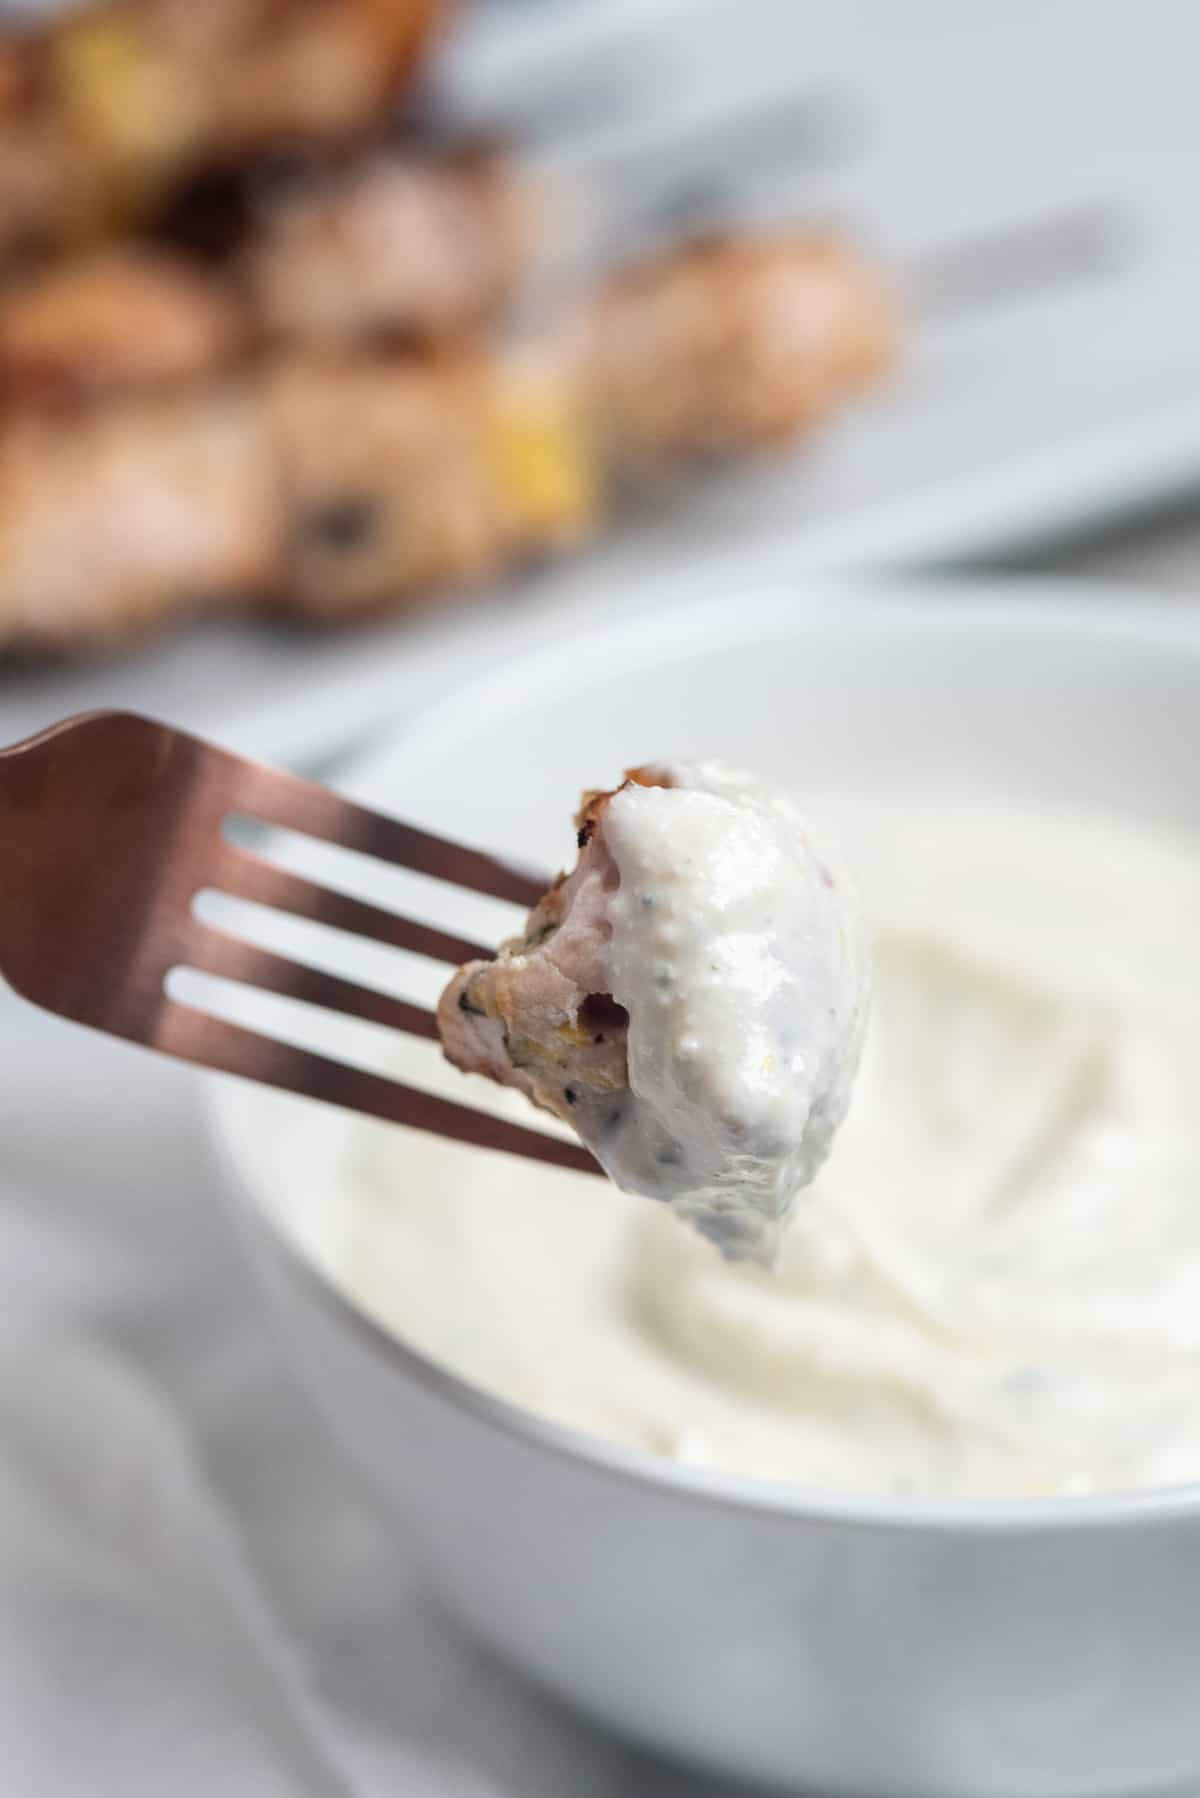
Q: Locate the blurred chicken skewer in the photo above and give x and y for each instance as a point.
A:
(329, 485)
(398, 246)
(326, 485)
(242, 431)
(395, 244)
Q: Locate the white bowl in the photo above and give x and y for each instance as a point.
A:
(866, 1645)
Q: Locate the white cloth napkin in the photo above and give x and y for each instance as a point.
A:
(194, 1599)
(134, 1652)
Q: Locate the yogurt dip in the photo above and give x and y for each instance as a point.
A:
(992, 1287)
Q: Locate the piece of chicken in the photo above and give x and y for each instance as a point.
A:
(49, 191)
(541, 1016)
(691, 999)
(114, 320)
(733, 341)
(393, 244)
(385, 482)
(125, 516)
(104, 110)
(405, 475)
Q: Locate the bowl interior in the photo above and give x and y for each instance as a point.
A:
(1015, 691)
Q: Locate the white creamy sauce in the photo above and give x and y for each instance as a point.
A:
(993, 1286)
(738, 952)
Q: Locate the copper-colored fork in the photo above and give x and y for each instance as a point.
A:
(110, 825)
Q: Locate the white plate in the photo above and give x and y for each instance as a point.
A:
(1054, 408)
(930, 125)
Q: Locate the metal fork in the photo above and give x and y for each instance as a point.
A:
(110, 825)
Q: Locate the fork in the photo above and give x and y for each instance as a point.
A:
(111, 824)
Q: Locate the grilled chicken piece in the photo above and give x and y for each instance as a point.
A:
(540, 1016)
(394, 244)
(124, 516)
(731, 342)
(385, 481)
(105, 109)
(402, 476)
(49, 193)
(114, 320)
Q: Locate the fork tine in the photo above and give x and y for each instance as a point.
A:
(247, 876)
(231, 959)
(196, 1036)
(272, 797)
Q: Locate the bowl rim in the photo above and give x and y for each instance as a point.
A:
(1038, 606)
